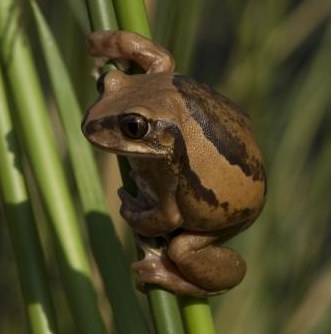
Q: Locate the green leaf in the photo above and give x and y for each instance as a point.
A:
(37, 136)
(105, 244)
(22, 228)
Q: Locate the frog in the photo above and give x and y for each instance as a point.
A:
(196, 163)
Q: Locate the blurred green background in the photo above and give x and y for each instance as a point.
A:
(273, 58)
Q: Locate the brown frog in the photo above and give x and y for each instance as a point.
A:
(194, 159)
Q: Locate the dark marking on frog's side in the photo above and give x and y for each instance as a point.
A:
(229, 232)
(202, 102)
(199, 191)
(243, 214)
(225, 206)
(180, 156)
(265, 183)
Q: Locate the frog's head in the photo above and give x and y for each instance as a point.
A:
(129, 119)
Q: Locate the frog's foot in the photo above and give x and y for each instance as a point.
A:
(145, 215)
(157, 269)
(134, 204)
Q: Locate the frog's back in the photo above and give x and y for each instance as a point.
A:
(224, 181)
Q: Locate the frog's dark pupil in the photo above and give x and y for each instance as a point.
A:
(134, 126)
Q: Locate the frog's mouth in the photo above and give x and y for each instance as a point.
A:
(135, 151)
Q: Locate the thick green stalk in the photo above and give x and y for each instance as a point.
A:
(105, 244)
(101, 15)
(165, 312)
(131, 16)
(197, 315)
(23, 232)
(37, 136)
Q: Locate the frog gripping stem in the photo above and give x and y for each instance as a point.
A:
(198, 169)
(119, 45)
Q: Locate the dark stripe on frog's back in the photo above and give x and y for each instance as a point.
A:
(202, 101)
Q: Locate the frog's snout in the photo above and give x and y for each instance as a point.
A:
(91, 127)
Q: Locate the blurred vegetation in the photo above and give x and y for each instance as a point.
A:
(272, 58)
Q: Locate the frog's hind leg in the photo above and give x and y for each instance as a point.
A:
(193, 264)
(206, 264)
(157, 269)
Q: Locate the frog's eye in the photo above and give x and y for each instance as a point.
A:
(134, 126)
(101, 83)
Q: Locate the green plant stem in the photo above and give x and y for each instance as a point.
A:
(37, 137)
(197, 315)
(166, 316)
(131, 16)
(22, 229)
(104, 241)
(101, 15)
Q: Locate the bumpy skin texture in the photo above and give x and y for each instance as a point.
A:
(198, 169)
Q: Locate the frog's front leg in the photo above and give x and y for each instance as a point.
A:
(127, 46)
(195, 265)
(148, 217)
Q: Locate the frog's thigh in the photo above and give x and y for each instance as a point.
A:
(205, 263)
(159, 270)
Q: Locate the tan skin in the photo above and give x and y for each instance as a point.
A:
(194, 159)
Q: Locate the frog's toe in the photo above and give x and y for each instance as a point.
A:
(129, 213)
(159, 270)
(155, 268)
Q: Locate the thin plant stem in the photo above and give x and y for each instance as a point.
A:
(37, 135)
(22, 228)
